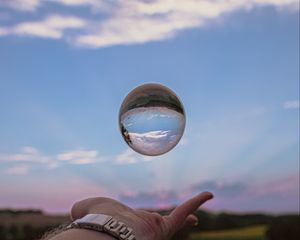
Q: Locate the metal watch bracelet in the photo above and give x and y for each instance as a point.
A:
(104, 223)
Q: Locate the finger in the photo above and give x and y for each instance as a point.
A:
(179, 214)
(191, 220)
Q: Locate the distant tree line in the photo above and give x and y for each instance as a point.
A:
(23, 232)
(279, 228)
(20, 212)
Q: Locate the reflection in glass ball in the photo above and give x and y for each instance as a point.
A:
(152, 119)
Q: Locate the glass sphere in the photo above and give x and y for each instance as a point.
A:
(152, 119)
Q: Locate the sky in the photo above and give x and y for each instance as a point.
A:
(67, 65)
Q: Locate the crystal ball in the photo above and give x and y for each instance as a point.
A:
(152, 119)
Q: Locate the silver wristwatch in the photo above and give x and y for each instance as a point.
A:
(106, 224)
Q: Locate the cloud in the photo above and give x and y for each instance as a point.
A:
(22, 5)
(127, 157)
(220, 189)
(282, 186)
(235, 195)
(30, 156)
(19, 169)
(24, 159)
(153, 7)
(133, 21)
(52, 27)
(153, 142)
(291, 104)
(52, 192)
(79, 156)
(32, 5)
(124, 30)
(26, 154)
(93, 3)
(144, 21)
(280, 195)
(3, 31)
(167, 198)
(277, 195)
(160, 199)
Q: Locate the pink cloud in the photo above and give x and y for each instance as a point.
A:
(53, 194)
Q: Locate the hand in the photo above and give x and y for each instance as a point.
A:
(146, 225)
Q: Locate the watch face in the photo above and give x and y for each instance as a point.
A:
(99, 219)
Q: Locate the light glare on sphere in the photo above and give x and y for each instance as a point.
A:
(152, 119)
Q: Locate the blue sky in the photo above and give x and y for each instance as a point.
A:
(66, 66)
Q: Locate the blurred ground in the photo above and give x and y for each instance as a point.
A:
(32, 224)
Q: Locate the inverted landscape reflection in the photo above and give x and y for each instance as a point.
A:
(152, 130)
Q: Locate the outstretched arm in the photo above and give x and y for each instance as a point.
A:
(145, 225)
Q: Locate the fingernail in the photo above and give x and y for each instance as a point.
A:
(210, 195)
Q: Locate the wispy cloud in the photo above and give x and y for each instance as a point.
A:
(283, 192)
(80, 157)
(165, 198)
(47, 192)
(22, 161)
(26, 154)
(32, 5)
(127, 157)
(93, 3)
(160, 199)
(22, 5)
(140, 21)
(130, 22)
(220, 188)
(294, 104)
(281, 186)
(3, 31)
(29, 156)
(156, 142)
(20, 169)
(51, 27)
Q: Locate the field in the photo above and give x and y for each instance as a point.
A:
(36, 220)
(247, 233)
(31, 224)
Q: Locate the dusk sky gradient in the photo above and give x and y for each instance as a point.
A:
(66, 66)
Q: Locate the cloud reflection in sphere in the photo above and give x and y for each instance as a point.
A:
(152, 119)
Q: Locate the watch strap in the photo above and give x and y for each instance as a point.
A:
(104, 223)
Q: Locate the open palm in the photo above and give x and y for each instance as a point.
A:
(146, 225)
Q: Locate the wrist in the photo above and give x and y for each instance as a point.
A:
(105, 224)
(79, 234)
